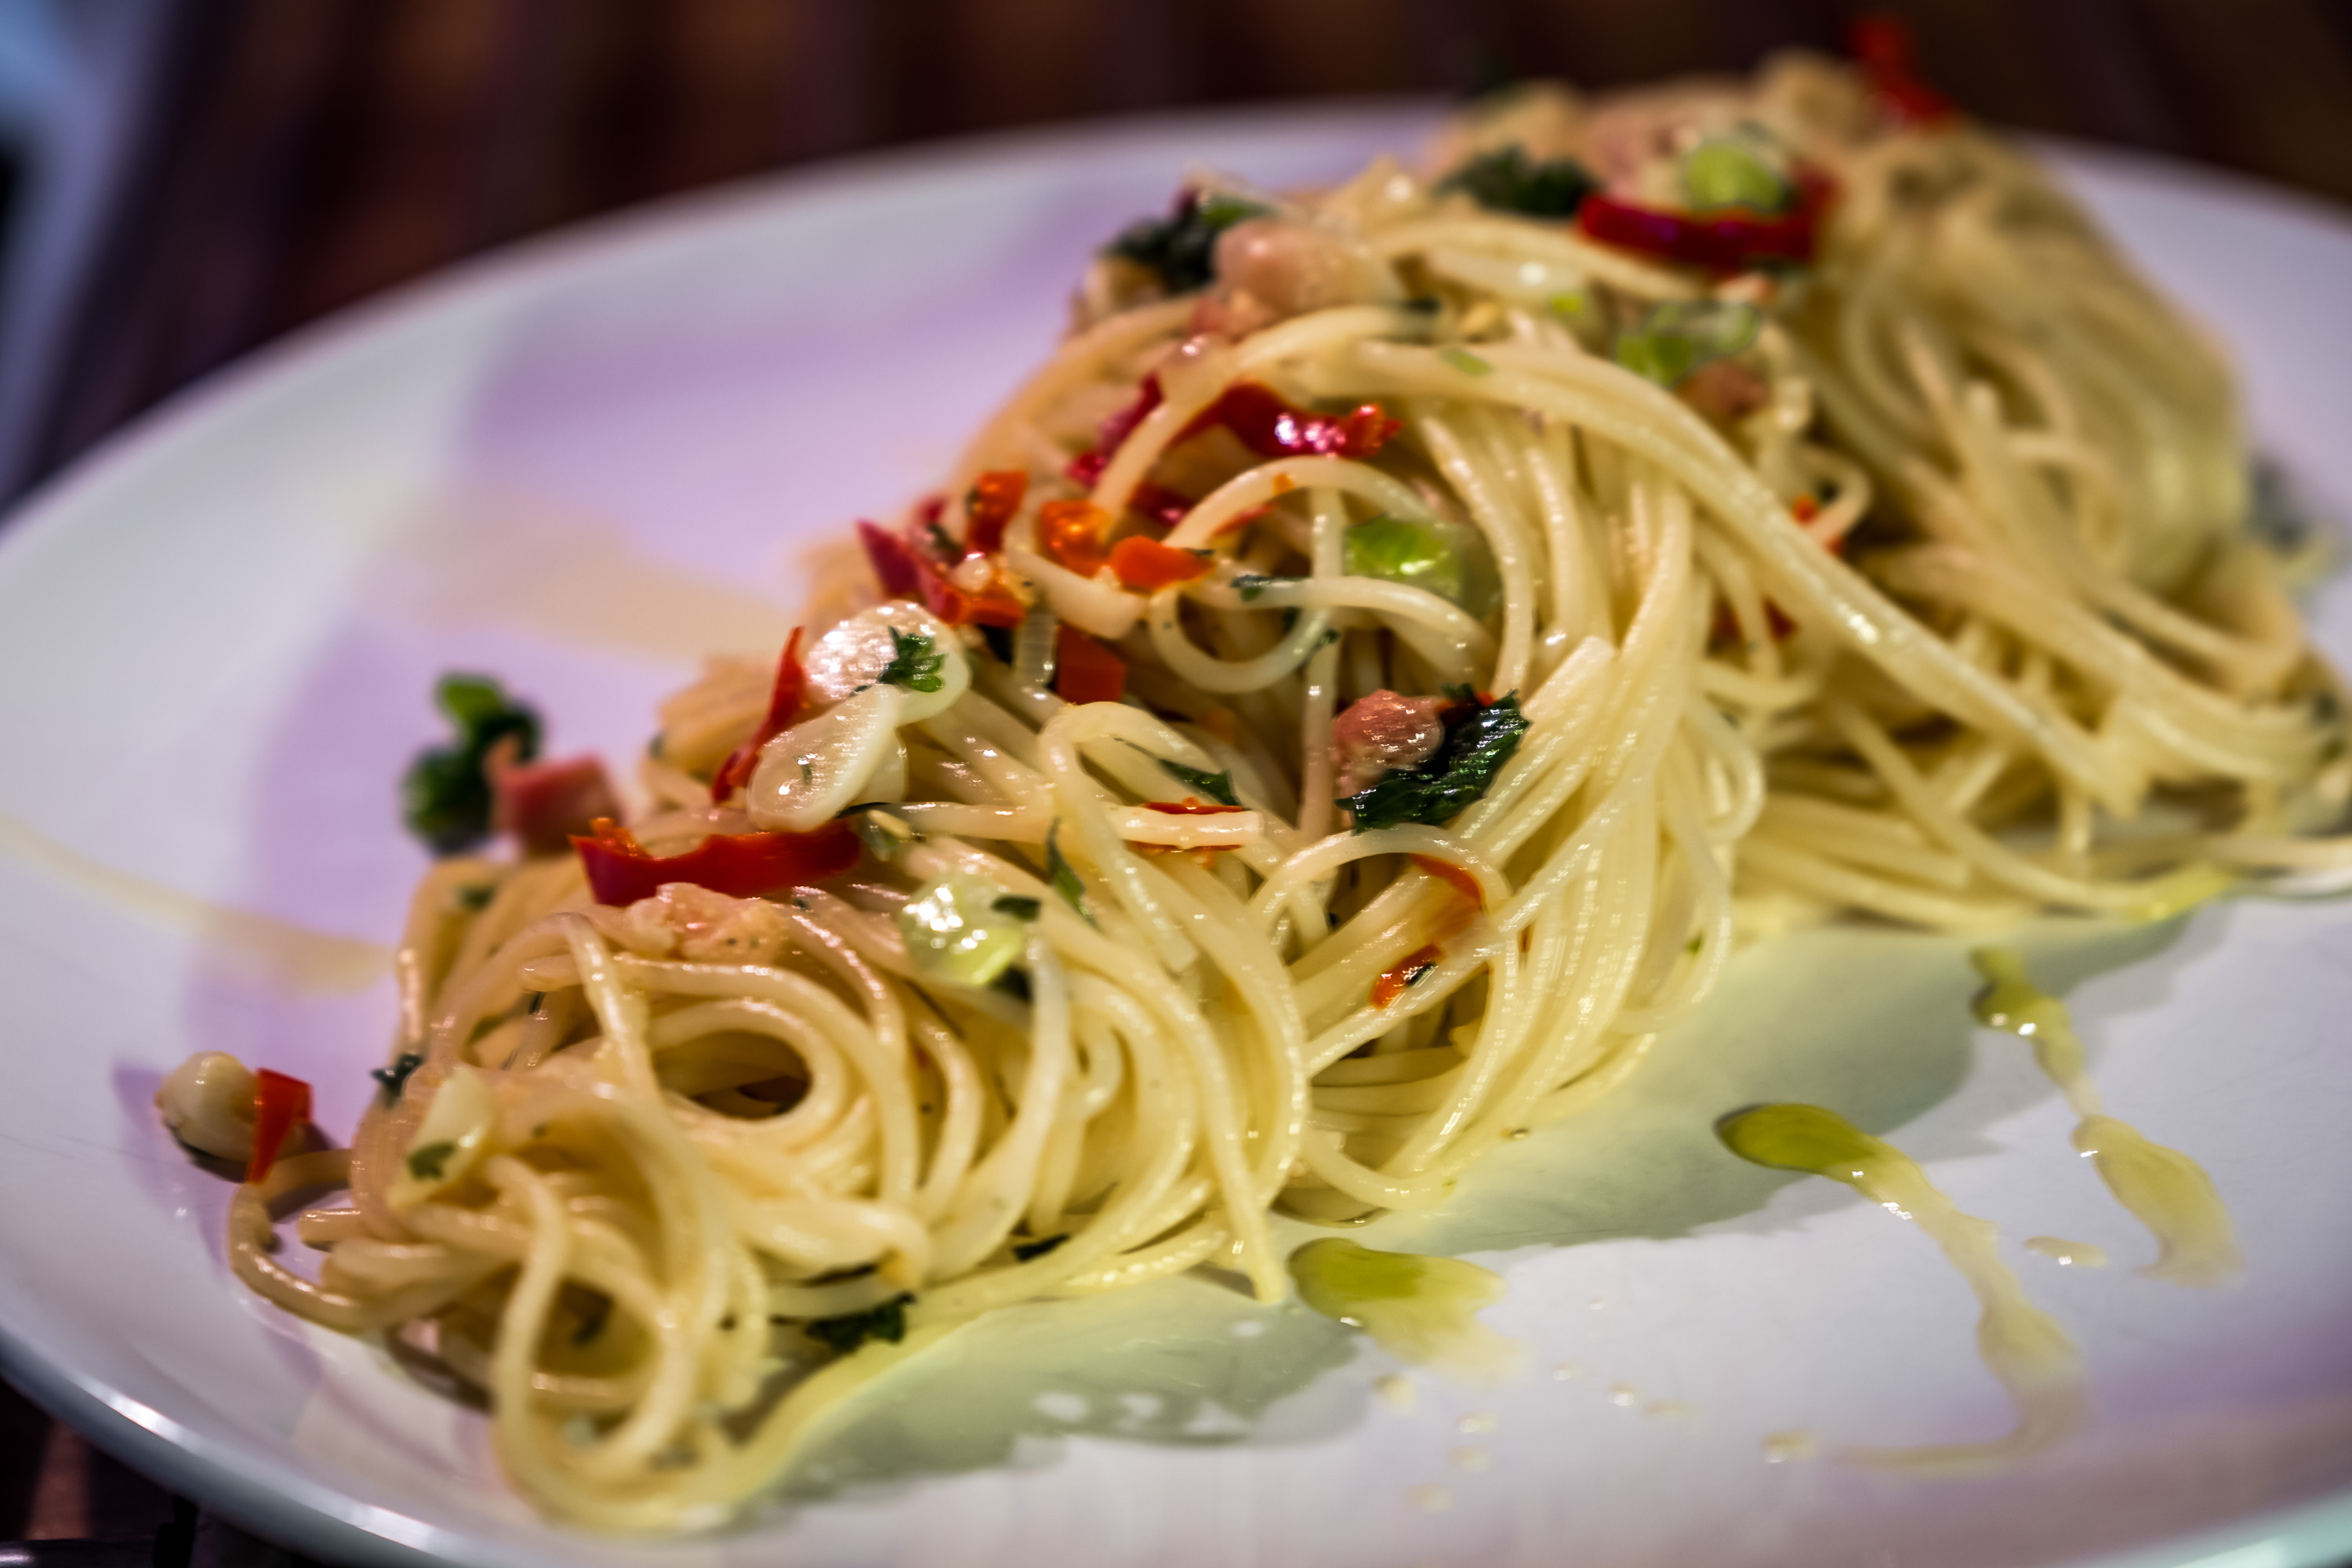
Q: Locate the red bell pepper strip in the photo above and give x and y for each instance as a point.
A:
(280, 1104)
(1192, 806)
(1084, 670)
(784, 701)
(1887, 51)
(1454, 877)
(740, 865)
(1394, 979)
(1070, 534)
(1147, 565)
(993, 500)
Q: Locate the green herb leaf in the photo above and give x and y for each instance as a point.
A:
(1680, 335)
(1218, 787)
(395, 1078)
(1182, 247)
(425, 1163)
(1504, 180)
(1476, 746)
(914, 664)
(445, 796)
(1250, 585)
(1065, 880)
(1466, 362)
(851, 1330)
(1396, 549)
(1025, 1251)
(476, 896)
(1019, 908)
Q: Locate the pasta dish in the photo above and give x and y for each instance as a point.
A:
(1336, 713)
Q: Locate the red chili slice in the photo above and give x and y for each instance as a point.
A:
(1086, 670)
(1263, 422)
(993, 500)
(784, 701)
(1192, 806)
(1454, 877)
(280, 1104)
(1394, 979)
(1070, 534)
(1147, 565)
(740, 865)
(906, 572)
(1887, 51)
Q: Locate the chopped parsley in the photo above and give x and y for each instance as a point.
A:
(1218, 787)
(426, 1163)
(1182, 247)
(1504, 180)
(1250, 585)
(1018, 907)
(1024, 1251)
(915, 663)
(445, 796)
(1477, 744)
(851, 1330)
(476, 896)
(1466, 362)
(1064, 879)
(395, 1078)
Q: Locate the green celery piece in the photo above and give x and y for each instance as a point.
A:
(954, 932)
(1396, 549)
(1725, 175)
(1680, 335)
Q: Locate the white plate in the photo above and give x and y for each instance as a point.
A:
(581, 465)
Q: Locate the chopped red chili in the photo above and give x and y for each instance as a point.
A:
(740, 865)
(1192, 806)
(280, 1104)
(1147, 565)
(1887, 51)
(1395, 978)
(1722, 242)
(1454, 877)
(1263, 422)
(993, 502)
(907, 572)
(784, 701)
(1084, 670)
(1070, 534)
(1259, 419)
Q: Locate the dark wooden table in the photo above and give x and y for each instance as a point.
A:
(301, 155)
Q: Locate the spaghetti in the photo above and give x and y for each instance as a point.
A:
(1344, 705)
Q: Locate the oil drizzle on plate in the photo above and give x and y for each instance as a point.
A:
(2024, 1345)
(1417, 1307)
(2067, 1253)
(2165, 1190)
(291, 957)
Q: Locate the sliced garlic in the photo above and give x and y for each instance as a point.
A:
(855, 654)
(450, 1140)
(808, 773)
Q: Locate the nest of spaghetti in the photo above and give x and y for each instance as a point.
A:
(1340, 710)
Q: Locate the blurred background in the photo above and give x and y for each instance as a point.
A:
(182, 180)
